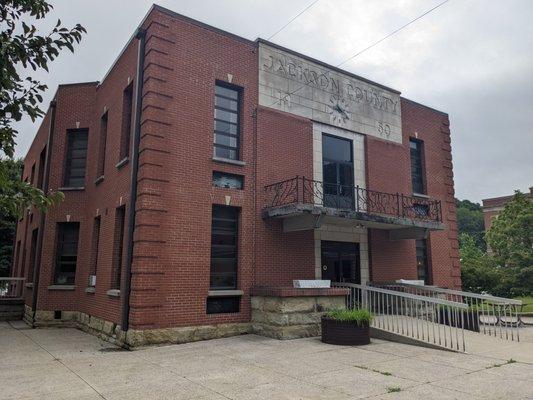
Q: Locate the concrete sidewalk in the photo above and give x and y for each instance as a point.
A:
(69, 364)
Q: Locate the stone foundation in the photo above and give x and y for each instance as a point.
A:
(280, 313)
(289, 313)
(133, 339)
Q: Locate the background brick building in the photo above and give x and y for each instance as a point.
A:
(205, 232)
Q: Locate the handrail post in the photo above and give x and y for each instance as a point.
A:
(398, 202)
(357, 198)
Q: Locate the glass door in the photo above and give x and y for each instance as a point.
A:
(340, 262)
(338, 172)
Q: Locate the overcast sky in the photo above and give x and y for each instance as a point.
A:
(470, 58)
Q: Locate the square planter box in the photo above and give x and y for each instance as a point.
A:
(345, 333)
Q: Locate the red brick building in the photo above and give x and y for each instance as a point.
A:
(205, 167)
(493, 206)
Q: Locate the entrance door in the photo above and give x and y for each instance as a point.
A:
(340, 262)
(338, 171)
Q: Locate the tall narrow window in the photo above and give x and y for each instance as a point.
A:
(94, 246)
(40, 172)
(224, 235)
(76, 158)
(127, 112)
(118, 245)
(422, 263)
(66, 253)
(33, 252)
(102, 140)
(417, 168)
(226, 137)
(16, 267)
(32, 175)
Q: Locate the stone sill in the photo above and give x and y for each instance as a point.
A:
(224, 293)
(71, 189)
(113, 292)
(62, 287)
(297, 292)
(90, 289)
(229, 161)
(98, 180)
(122, 162)
(422, 196)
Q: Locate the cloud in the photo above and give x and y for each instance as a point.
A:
(469, 58)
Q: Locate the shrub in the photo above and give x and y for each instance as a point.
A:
(361, 317)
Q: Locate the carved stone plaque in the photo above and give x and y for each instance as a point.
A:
(290, 83)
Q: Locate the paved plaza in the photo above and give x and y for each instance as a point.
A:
(70, 364)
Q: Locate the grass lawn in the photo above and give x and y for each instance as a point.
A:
(528, 300)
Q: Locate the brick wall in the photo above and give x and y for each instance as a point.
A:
(175, 195)
(388, 169)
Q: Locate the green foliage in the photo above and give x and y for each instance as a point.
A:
(16, 197)
(508, 270)
(21, 49)
(470, 221)
(511, 234)
(361, 317)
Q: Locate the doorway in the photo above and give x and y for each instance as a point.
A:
(341, 262)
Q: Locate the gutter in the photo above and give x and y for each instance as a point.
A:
(40, 236)
(141, 36)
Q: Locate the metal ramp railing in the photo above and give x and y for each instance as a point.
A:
(429, 319)
(488, 315)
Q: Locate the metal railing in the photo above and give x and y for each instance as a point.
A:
(428, 319)
(488, 315)
(11, 288)
(307, 191)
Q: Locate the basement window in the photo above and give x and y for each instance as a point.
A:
(223, 305)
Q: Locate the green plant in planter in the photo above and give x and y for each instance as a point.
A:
(361, 317)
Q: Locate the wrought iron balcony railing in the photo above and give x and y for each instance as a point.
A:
(300, 190)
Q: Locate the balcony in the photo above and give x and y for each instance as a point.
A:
(305, 204)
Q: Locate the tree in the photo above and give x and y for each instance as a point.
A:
(8, 217)
(511, 234)
(470, 221)
(511, 241)
(479, 272)
(23, 50)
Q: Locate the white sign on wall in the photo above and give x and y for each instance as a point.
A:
(290, 83)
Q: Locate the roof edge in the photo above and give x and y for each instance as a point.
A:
(326, 65)
(423, 105)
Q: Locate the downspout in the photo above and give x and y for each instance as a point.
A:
(40, 235)
(141, 35)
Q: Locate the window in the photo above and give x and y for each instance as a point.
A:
(231, 181)
(101, 146)
(417, 170)
(338, 171)
(94, 246)
(226, 136)
(76, 158)
(118, 246)
(33, 252)
(422, 263)
(224, 247)
(32, 175)
(127, 113)
(40, 174)
(17, 259)
(66, 253)
(219, 305)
